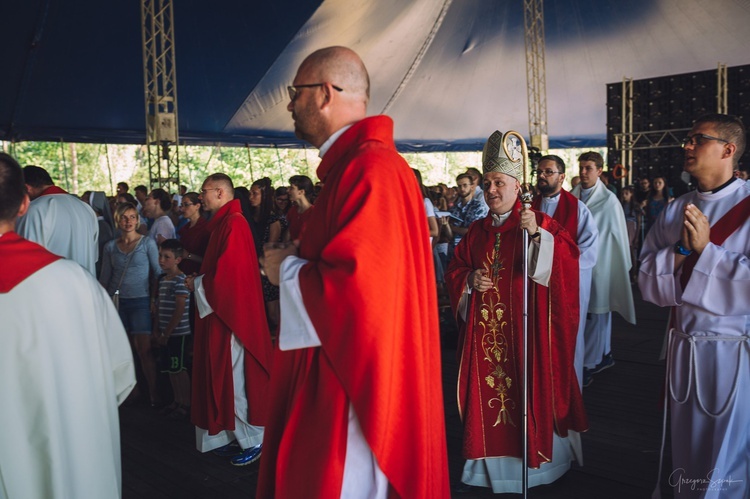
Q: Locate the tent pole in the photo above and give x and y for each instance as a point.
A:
(109, 169)
(65, 165)
(250, 161)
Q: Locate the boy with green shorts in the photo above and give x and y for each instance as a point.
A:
(172, 325)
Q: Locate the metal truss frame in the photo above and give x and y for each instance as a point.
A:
(536, 80)
(160, 85)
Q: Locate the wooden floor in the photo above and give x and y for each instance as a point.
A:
(621, 448)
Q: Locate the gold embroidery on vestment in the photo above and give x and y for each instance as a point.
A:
(494, 342)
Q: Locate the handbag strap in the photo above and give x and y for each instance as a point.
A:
(127, 263)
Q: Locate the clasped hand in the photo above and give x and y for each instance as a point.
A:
(696, 230)
(273, 255)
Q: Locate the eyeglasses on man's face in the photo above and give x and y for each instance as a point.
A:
(204, 191)
(698, 139)
(294, 89)
(545, 173)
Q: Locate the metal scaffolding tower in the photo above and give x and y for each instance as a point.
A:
(722, 90)
(628, 140)
(627, 125)
(536, 80)
(160, 84)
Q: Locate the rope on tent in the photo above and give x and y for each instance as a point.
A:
(278, 158)
(250, 161)
(209, 161)
(65, 165)
(189, 170)
(307, 163)
(420, 55)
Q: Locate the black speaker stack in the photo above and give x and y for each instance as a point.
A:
(669, 103)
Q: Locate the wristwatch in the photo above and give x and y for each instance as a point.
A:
(681, 250)
(536, 234)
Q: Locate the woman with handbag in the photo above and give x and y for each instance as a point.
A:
(128, 265)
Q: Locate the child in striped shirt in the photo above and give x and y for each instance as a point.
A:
(172, 325)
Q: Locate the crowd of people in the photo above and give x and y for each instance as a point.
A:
(285, 336)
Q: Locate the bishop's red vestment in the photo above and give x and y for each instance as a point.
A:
(231, 278)
(369, 289)
(491, 342)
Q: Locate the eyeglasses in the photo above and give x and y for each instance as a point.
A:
(185, 205)
(545, 173)
(698, 139)
(294, 89)
(204, 191)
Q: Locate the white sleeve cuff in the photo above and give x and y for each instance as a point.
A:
(201, 301)
(463, 302)
(541, 255)
(296, 330)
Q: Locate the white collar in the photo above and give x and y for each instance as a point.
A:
(552, 199)
(587, 193)
(498, 220)
(329, 142)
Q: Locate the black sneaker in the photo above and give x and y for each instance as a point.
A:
(607, 362)
(588, 377)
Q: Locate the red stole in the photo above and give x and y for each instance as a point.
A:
(490, 344)
(21, 258)
(232, 283)
(720, 231)
(370, 292)
(566, 213)
(53, 189)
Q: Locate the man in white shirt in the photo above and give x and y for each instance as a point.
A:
(156, 206)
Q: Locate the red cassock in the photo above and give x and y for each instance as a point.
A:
(232, 283)
(491, 343)
(369, 288)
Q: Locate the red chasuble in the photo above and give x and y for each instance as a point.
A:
(232, 283)
(491, 343)
(21, 258)
(369, 289)
(566, 213)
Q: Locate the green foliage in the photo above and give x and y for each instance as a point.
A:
(100, 166)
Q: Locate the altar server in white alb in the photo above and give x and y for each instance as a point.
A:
(695, 259)
(60, 222)
(610, 281)
(65, 365)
